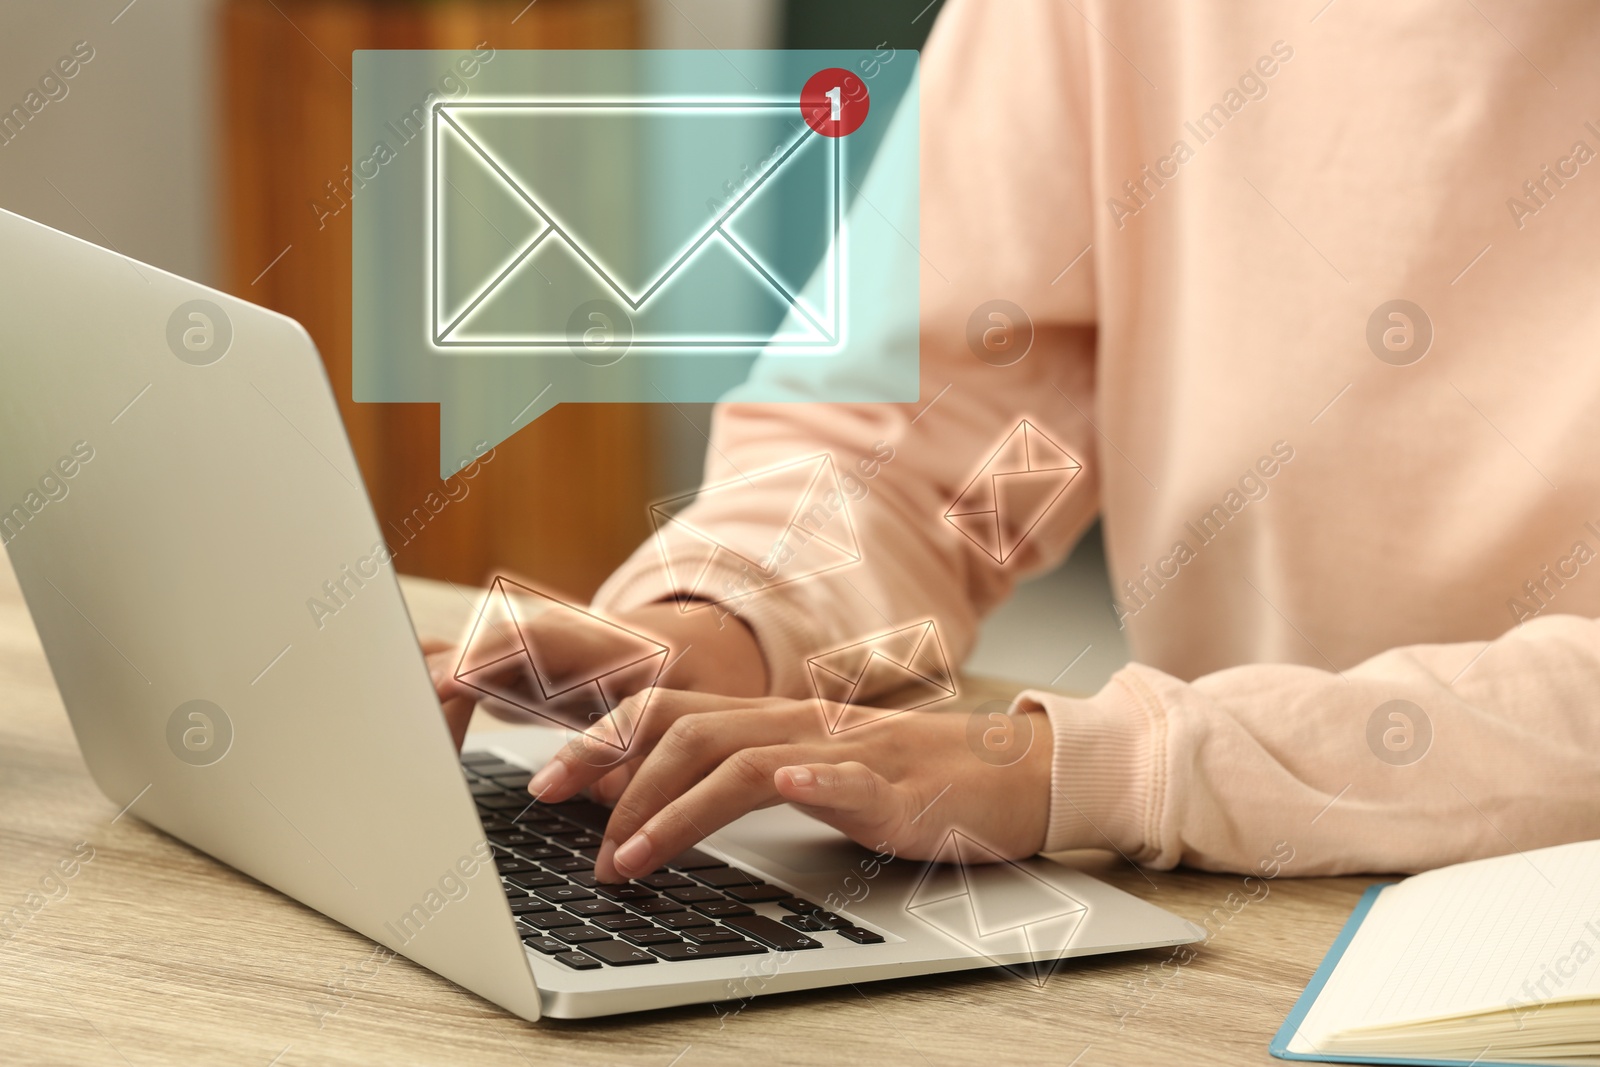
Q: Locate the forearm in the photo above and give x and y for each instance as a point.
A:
(1486, 756)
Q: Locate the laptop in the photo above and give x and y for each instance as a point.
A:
(176, 485)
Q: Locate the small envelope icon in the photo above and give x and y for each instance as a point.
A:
(500, 661)
(996, 908)
(1010, 495)
(749, 551)
(702, 223)
(903, 670)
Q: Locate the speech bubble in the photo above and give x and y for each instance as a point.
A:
(624, 227)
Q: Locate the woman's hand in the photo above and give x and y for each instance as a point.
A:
(711, 652)
(695, 763)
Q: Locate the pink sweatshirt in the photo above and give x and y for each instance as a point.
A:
(1204, 210)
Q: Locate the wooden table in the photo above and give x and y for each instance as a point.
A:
(155, 954)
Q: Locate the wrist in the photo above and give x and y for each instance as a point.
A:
(711, 651)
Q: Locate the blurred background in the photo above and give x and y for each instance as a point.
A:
(204, 134)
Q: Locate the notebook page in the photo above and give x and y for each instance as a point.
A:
(1514, 931)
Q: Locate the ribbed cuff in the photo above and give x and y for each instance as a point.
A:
(1104, 785)
(779, 627)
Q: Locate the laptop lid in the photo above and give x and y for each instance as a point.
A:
(178, 497)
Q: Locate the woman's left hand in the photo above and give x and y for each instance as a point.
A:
(696, 762)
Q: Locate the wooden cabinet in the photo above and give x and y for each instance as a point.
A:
(564, 500)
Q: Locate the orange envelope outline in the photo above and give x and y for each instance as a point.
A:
(968, 860)
(548, 692)
(834, 723)
(999, 552)
(689, 595)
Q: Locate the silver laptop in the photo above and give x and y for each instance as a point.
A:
(175, 486)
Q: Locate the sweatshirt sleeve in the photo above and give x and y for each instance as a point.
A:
(1418, 757)
(903, 465)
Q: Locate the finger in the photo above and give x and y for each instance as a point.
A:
(741, 784)
(458, 716)
(611, 785)
(850, 797)
(695, 745)
(628, 732)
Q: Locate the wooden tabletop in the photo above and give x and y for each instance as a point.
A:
(151, 953)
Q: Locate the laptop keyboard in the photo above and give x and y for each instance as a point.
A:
(697, 907)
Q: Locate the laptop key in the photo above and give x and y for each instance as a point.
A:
(860, 936)
(530, 906)
(653, 907)
(552, 921)
(619, 923)
(517, 780)
(580, 839)
(682, 921)
(722, 949)
(771, 932)
(650, 937)
(484, 789)
(612, 891)
(514, 865)
(663, 880)
(798, 905)
(711, 935)
(693, 860)
(532, 880)
(544, 943)
(586, 813)
(755, 894)
(721, 909)
(583, 878)
(619, 955)
(577, 935)
(832, 921)
(565, 864)
(561, 894)
(722, 877)
(694, 894)
(810, 924)
(578, 961)
(540, 851)
(503, 802)
(491, 823)
(591, 908)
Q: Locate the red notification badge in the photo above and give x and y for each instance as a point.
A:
(834, 102)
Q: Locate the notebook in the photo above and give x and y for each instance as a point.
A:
(1496, 961)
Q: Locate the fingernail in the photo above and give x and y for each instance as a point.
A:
(801, 776)
(633, 854)
(608, 849)
(550, 776)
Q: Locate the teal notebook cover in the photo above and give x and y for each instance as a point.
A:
(1280, 1041)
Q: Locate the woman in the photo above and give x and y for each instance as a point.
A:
(1310, 293)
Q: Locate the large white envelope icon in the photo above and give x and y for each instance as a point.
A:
(746, 550)
(705, 224)
(998, 909)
